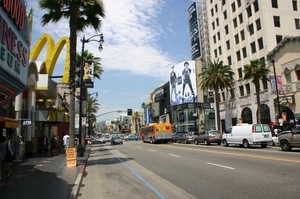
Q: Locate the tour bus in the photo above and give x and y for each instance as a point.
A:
(157, 133)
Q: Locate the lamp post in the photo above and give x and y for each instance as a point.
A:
(83, 41)
(276, 86)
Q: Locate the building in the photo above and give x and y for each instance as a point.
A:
(241, 31)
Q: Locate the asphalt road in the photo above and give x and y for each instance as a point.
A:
(142, 170)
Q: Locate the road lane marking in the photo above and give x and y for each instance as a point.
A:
(151, 150)
(237, 154)
(138, 175)
(218, 165)
(177, 156)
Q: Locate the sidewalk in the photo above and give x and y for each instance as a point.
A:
(44, 176)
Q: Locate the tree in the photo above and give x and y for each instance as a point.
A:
(81, 14)
(217, 76)
(256, 71)
(92, 106)
(134, 119)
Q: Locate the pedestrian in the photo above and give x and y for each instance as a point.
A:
(66, 141)
(45, 141)
(4, 149)
(89, 140)
(53, 145)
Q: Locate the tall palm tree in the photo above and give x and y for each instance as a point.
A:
(92, 106)
(134, 119)
(81, 14)
(216, 76)
(256, 71)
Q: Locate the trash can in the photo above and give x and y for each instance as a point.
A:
(80, 150)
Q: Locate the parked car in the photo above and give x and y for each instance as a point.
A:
(187, 138)
(289, 139)
(103, 140)
(175, 137)
(131, 137)
(207, 137)
(247, 135)
(116, 140)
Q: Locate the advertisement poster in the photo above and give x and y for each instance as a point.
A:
(88, 74)
(279, 85)
(183, 88)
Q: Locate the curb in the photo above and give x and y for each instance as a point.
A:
(77, 185)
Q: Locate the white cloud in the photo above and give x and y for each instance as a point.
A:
(131, 34)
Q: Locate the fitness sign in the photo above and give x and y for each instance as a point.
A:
(14, 48)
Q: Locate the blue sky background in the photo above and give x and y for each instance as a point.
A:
(143, 39)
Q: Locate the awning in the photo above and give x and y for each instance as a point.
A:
(7, 122)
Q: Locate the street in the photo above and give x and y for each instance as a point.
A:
(142, 170)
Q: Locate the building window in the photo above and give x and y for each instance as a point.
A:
(223, 2)
(228, 44)
(213, 25)
(265, 85)
(276, 21)
(217, 20)
(219, 36)
(234, 23)
(288, 77)
(238, 55)
(242, 35)
(298, 73)
(233, 7)
(244, 52)
(278, 38)
(225, 14)
(216, 53)
(223, 96)
(295, 7)
(226, 30)
(253, 47)
(229, 60)
(255, 4)
(249, 12)
(241, 18)
(236, 37)
(212, 12)
(240, 73)
(274, 4)
(220, 50)
(239, 3)
(216, 8)
(297, 24)
(260, 43)
(214, 38)
(251, 29)
(258, 25)
(242, 93)
(232, 95)
(248, 89)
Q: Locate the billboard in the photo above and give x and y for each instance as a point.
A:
(87, 74)
(194, 32)
(279, 85)
(182, 82)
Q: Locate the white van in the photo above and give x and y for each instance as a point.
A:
(248, 134)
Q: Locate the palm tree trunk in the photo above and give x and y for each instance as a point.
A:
(258, 115)
(217, 105)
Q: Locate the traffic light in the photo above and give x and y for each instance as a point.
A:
(129, 111)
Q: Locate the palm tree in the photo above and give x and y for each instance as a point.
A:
(256, 71)
(92, 106)
(81, 14)
(216, 76)
(149, 106)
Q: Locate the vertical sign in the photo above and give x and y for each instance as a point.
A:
(194, 32)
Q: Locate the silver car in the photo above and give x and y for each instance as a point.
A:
(207, 137)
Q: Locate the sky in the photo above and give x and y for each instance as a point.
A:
(143, 39)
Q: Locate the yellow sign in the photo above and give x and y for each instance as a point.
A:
(53, 52)
(71, 157)
(11, 124)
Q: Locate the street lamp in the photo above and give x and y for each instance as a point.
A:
(276, 86)
(83, 41)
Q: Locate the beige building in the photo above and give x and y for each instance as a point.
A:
(241, 31)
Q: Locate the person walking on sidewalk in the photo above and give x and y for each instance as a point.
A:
(66, 141)
(45, 144)
(4, 149)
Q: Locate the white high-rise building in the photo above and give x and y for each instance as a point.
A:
(244, 30)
